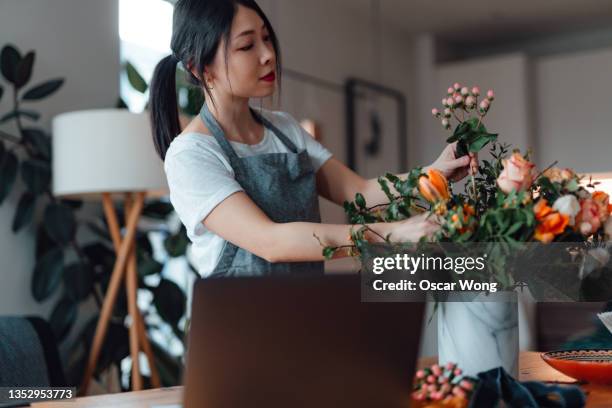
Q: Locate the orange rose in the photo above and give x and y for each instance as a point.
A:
(434, 186)
(541, 209)
(550, 223)
(517, 174)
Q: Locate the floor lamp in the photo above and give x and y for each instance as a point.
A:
(108, 155)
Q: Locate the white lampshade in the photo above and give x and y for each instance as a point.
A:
(105, 151)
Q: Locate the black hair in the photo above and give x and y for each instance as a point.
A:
(197, 30)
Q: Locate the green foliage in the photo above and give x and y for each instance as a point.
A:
(79, 271)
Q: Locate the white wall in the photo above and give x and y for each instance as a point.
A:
(74, 39)
(574, 107)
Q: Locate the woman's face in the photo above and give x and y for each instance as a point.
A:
(251, 60)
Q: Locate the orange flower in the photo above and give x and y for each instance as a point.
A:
(434, 186)
(541, 209)
(550, 223)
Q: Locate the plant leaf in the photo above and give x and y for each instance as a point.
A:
(43, 90)
(9, 58)
(23, 72)
(8, 174)
(176, 244)
(360, 201)
(25, 211)
(36, 175)
(135, 79)
(21, 112)
(47, 274)
(60, 223)
(78, 280)
(158, 210)
(38, 140)
(62, 317)
(169, 301)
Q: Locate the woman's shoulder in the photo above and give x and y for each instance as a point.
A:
(195, 147)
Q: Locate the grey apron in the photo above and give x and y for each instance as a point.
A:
(283, 186)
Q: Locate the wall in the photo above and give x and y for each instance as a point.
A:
(74, 39)
(574, 108)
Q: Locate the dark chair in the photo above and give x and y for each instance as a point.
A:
(28, 354)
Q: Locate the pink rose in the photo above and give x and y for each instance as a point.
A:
(587, 220)
(516, 175)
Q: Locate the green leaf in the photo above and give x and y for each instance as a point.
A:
(514, 228)
(25, 211)
(176, 244)
(18, 113)
(60, 223)
(360, 201)
(79, 280)
(393, 212)
(149, 266)
(135, 79)
(8, 174)
(74, 204)
(385, 188)
(36, 175)
(158, 210)
(9, 59)
(47, 274)
(479, 143)
(169, 300)
(23, 72)
(43, 90)
(100, 257)
(38, 140)
(63, 316)
(328, 252)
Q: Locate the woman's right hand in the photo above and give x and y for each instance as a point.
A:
(415, 227)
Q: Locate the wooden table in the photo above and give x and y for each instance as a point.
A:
(532, 368)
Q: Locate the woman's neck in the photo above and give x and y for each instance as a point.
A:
(235, 118)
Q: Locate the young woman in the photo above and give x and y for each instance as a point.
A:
(244, 182)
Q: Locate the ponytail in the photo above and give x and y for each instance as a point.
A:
(163, 105)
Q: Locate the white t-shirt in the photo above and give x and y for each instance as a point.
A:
(200, 177)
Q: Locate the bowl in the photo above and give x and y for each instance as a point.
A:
(593, 366)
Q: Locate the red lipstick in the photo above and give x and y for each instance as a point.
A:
(269, 78)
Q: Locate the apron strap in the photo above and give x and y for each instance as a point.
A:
(219, 135)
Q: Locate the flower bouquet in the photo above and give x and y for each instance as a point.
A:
(507, 206)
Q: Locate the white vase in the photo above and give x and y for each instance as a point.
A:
(480, 335)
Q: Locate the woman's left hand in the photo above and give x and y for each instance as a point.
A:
(453, 168)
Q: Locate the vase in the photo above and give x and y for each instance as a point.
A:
(480, 335)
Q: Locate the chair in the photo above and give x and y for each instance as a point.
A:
(28, 354)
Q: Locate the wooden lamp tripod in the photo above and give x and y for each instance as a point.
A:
(96, 153)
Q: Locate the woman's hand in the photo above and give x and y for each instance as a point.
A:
(453, 168)
(415, 227)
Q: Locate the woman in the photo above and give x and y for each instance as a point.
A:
(245, 183)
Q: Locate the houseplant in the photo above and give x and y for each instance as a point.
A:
(74, 256)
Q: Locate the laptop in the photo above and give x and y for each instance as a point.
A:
(298, 342)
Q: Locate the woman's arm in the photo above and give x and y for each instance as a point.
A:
(338, 183)
(238, 220)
